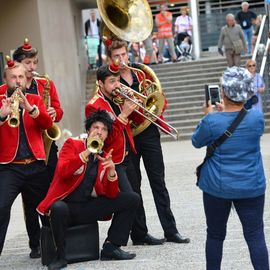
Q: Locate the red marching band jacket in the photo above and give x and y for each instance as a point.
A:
(9, 136)
(55, 103)
(147, 76)
(69, 174)
(116, 139)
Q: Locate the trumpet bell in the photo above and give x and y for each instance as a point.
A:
(94, 145)
(130, 20)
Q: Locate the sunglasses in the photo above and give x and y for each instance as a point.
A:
(253, 65)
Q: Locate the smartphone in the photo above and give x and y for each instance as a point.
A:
(212, 92)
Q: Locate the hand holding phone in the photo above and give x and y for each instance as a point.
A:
(212, 93)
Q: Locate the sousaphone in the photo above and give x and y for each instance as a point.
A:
(130, 20)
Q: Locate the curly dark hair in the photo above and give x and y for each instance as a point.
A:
(99, 116)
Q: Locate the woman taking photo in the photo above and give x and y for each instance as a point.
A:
(234, 174)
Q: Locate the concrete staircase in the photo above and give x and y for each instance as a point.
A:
(183, 84)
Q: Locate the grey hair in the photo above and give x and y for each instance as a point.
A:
(229, 15)
(245, 4)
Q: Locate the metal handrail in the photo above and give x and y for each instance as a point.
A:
(264, 56)
(259, 38)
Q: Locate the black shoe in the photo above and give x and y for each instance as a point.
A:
(57, 264)
(111, 252)
(35, 253)
(177, 238)
(148, 240)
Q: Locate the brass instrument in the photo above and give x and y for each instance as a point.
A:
(94, 145)
(54, 132)
(14, 117)
(129, 19)
(152, 106)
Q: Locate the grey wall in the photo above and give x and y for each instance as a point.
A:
(54, 27)
(63, 56)
(16, 24)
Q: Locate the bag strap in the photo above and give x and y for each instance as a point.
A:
(228, 133)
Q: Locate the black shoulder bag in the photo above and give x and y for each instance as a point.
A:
(228, 133)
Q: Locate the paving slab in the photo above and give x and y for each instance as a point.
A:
(181, 160)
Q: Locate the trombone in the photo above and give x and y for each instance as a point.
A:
(149, 106)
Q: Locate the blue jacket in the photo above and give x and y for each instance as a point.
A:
(235, 170)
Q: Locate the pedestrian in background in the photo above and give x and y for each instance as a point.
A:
(93, 39)
(255, 102)
(246, 18)
(183, 25)
(232, 38)
(233, 177)
(164, 24)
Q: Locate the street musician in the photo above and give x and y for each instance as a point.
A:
(85, 189)
(23, 116)
(28, 56)
(120, 139)
(148, 146)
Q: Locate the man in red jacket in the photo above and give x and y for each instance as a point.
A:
(28, 56)
(22, 155)
(85, 189)
(120, 139)
(148, 147)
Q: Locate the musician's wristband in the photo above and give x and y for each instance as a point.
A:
(34, 113)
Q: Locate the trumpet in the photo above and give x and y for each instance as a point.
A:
(94, 145)
(14, 118)
(152, 106)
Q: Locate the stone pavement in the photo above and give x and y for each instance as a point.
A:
(186, 201)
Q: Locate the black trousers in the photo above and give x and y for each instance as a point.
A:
(30, 180)
(123, 208)
(121, 169)
(149, 148)
(31, 216)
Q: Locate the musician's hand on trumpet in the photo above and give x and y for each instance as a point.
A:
(24, 104)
